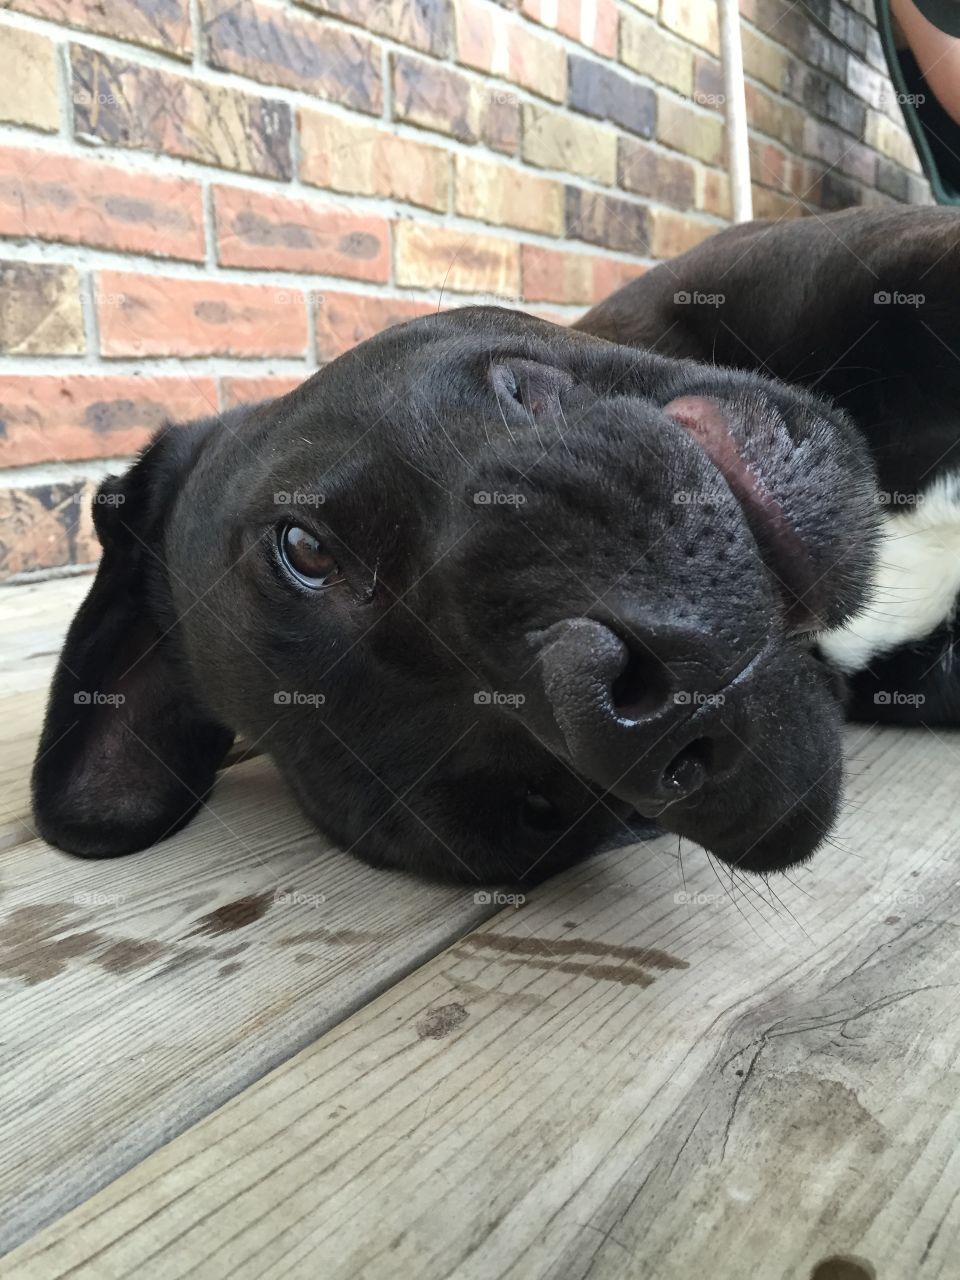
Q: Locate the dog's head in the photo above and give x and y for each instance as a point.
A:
(485, 589)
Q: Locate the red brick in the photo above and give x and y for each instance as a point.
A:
(610, 274)
(594, 25)
(127, 104)
(491, 41)
(425, 24)
(56, 197)
(236, 391)
(344, 319)
(280, 46)
(49, 419)
(559, 275)
(164, 26)
(275, 233)
(40, 311)
(142, 315)
(673, 233)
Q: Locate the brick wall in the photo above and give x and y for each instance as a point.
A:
(200, 199)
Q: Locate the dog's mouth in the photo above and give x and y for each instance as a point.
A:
(784, 553)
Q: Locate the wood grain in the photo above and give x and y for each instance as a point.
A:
(633, 1075)
(33, 621)
(140, 993)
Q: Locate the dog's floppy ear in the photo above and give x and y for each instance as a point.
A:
(127, 753)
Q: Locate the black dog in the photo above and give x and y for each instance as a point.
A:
(487, 589)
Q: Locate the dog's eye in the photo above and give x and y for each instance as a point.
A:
(307, 559)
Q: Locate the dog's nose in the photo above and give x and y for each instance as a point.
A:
(643, 713)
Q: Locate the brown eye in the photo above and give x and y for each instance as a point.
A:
(307, 559)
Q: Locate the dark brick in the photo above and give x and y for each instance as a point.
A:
(283, 47)
(893, 180)
(447, 101)
(598, 90)
(45, 526)
(825, 54)
(648, 172)
(129, 105)
(607, 221)
(856, 37)
(824, 97)
(708, 82)
(423, 24)
(40, 310)
(158, 24)
(837, 192)
(783, 21)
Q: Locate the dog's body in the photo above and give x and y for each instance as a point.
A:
(487, 589)
(877, 328)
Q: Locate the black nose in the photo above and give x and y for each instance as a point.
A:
(644, 713)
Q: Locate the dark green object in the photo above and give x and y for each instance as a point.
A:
(944, 14)
(935, 134)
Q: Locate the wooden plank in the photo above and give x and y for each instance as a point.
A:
(140, 993)
(614, 1081)
(33, 621)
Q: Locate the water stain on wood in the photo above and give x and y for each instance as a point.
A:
(558, 954)
(233, 915)
(36, 944)
(439, 1022)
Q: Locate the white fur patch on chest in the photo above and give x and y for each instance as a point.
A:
(915, 584)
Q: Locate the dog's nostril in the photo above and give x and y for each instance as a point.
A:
(640, 689)
(689, 768)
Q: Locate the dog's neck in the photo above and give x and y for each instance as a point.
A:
(916, 582)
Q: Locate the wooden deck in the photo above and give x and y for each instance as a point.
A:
(243, 1054)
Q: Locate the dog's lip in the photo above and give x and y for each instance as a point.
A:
(783, 550)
